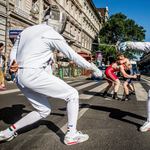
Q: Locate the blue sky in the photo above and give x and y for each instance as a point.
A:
(139, 11)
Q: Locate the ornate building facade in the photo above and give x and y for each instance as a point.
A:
(3, 20)
(84, 21)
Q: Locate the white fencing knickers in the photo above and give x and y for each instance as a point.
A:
(35, 84)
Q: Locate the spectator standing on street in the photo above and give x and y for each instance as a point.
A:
(10, 76)
(2, 87)
(3, 63)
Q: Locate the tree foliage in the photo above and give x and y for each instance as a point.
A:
(119, 28)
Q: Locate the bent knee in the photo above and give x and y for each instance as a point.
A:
(73, 94)
(117, 81)
(45, 112)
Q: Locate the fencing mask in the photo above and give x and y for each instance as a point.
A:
(56, 19)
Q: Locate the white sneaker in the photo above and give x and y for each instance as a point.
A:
(9, 138)
(14, 80)
(77, 138)
(10, 81)
(145, 127)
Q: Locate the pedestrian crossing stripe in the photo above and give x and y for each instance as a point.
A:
(85, 85)
(120, 94)
(94, 91)
(140, 95)
(9, 91)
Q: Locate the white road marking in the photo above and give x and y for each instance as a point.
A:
(85, 85)
(110, 98)
(141, 94)
(9, 91)
(68, 81)
(78, 87)
(81, 113)
(148, 82)
(18, 90)
(94, 90)
(73, 84)
(20, 94)
(120, 94)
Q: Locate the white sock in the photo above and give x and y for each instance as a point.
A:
(72, 112)
(148, 106)
(31, 118)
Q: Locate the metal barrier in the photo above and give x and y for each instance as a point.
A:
(71, 72)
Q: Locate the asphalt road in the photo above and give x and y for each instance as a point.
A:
(110, 124)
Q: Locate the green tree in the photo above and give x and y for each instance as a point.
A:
(119, 28)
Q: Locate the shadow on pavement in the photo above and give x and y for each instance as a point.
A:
(118, 114)
(80, 106)
(10, 115)
(115, 113)
(50, 125)
(96, 93)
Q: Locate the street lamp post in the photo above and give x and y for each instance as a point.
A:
(7, 9)
(99, 58)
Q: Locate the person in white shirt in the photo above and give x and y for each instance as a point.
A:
(31, 53)
(143, 46)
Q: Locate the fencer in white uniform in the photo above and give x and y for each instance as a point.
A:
(143, 46)
(32, 51)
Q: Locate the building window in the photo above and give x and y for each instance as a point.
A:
(67, 5)
(67, 27)
(76, 13)
(33, 1)
(87, 10)
(72, 9)
(19, 3)
(61, 2)
(85, 44)
(82, 42)
(85, 25)
(80, 17)
(70, 29)
(78, 36)
(75, 34)
(84, 7)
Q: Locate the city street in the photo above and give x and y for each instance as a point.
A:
(110, 124)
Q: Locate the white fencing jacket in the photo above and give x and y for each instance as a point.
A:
(144, 46)
(35, 45)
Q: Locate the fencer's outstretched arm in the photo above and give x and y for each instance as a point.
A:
(143, 46)
(64, 48)
(14, 50)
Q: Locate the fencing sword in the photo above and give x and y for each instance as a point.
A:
(75, 41)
